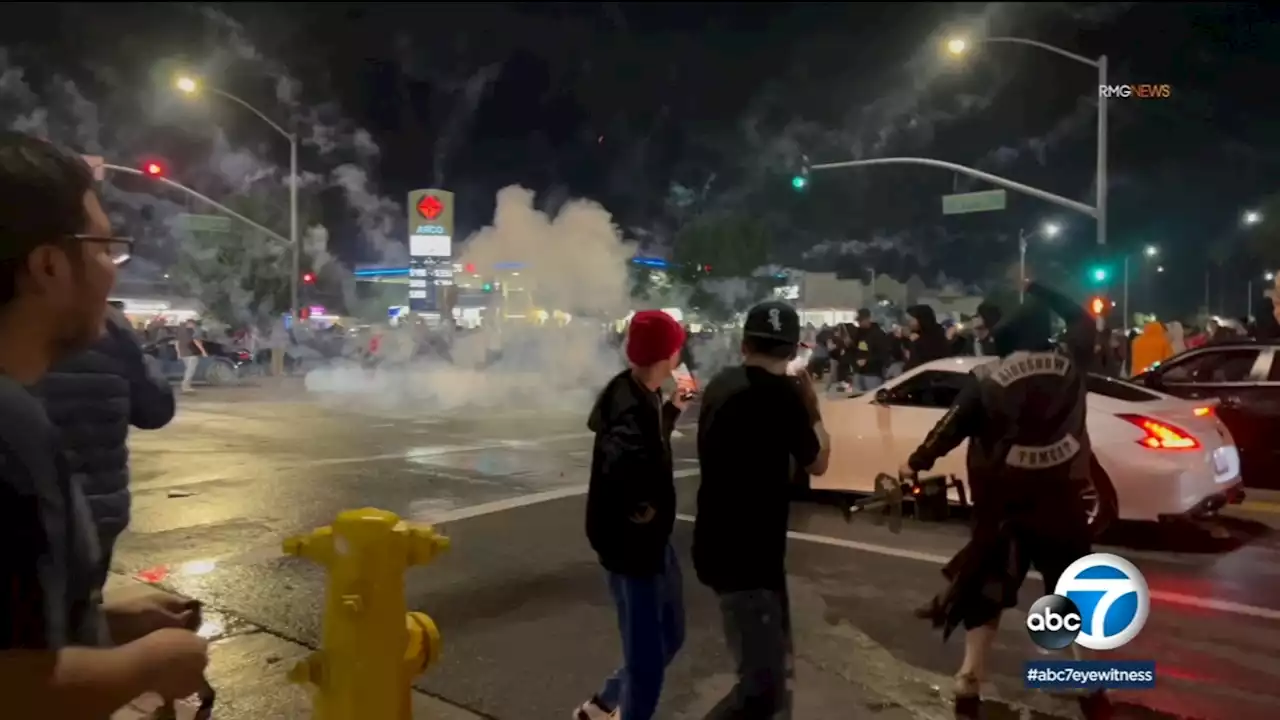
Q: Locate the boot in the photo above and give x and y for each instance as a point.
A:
(968, 703)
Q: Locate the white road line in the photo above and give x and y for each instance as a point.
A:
(1225, 606)
(497, 506)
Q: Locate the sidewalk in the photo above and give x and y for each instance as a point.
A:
(247, 667)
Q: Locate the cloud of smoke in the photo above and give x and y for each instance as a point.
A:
(573, 261)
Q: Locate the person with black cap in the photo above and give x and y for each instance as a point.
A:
(631, 510)
(757, 425)
(1028, 456)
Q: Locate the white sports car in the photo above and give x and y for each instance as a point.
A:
(1156, 457)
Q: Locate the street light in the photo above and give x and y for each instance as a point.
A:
(1269, 277)
(959, 46)
(1047, 231)
(189, 85)
(1252, 217)
(1149, 252)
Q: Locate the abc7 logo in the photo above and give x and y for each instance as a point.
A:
(1054, 622)
(1115, 599)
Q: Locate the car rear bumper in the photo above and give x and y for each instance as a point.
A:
(1210, 505)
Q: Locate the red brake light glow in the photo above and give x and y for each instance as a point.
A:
(1203, 411)
(1160, 436)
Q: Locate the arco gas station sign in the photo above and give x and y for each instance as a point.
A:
(430, 247)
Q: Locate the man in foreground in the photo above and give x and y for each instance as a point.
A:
(1029, 454)
(57, 265)
(631, 509)
(757, 425)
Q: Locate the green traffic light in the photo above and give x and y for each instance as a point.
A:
(1099, 274)
(799, 182)
(488, 287)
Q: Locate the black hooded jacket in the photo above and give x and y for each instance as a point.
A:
(1024, 416)
(871, 345)
(631, 499)
(931, 341)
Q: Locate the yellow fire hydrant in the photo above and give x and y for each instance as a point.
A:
(372, 647)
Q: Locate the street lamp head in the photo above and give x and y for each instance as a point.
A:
(1159, 268)
(186, 84)
(957, 46)
(1051, 230)
(1269, 276)
(1151, 251)
(1252, 217)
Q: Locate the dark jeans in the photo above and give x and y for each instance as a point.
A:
(651, 619)
(757, 628)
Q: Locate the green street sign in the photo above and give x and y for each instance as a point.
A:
(205, 223)
(973, 202)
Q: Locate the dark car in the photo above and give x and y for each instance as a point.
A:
(223, 366)
(1244, 377)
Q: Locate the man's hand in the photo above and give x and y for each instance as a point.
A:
(173, 662)
(808, 394)
(686, 388)
(906, 471)
(139, 616)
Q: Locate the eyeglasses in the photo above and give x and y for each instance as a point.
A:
(119, 248)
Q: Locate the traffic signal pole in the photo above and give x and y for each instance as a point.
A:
(202, 198)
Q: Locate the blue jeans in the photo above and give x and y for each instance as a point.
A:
(651, 620)
(867, 383)
(757, 628)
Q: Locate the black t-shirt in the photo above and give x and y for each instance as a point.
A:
(752, 428)
(49, 566)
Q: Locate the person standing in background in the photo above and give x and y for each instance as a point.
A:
(1177, 337)
(190, 350)
(1150, 348)
(870, 351)
(928, 339)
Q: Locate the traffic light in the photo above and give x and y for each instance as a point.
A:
(487, 287)
(1098, 306)
(800, 180)
(308, 278)
(153, 169)
(1099, 274)
(471, 268)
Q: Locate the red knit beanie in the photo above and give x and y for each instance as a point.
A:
(653, 337)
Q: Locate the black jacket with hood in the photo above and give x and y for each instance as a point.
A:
(1024, 415)
(871, 345)
(931, 341)
(631, 499)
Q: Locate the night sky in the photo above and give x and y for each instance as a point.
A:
(619, 101)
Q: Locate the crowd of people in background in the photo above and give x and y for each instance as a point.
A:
(862, 355)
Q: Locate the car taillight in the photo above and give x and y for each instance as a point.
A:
(1161, 436)
(1203, 411)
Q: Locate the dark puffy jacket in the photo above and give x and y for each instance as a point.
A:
(631, 499)
(93, 398)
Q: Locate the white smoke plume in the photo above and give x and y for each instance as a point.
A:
(572, 262)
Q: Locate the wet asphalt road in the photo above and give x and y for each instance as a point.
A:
(523, 608)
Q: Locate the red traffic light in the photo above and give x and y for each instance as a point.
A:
(471, 268)
(1097, 306)
(308, 278)
(153, 169)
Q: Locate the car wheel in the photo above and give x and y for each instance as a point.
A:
(1100, 500)
(219, 374)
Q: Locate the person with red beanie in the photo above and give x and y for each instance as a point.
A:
(631, 509)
